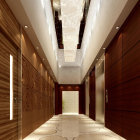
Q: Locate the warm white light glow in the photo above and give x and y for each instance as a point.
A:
(11, 87)
(71, 14)
(42, 2)
(46, 5)
(94, 10)
(26, 26)
(117, 28)
(71, 113)
(69, 55)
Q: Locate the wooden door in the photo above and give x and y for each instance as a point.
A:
(8, 128)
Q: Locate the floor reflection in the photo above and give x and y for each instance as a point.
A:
(72, 127)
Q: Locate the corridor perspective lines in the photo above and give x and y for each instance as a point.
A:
(72, 127)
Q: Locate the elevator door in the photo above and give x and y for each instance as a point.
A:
(8, 89)
(100, 98)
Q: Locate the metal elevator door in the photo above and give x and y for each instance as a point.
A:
(100, 87)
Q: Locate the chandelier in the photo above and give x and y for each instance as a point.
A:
(71, 15)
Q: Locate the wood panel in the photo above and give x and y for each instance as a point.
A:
(8, 128)
(9, 25)
(122, 77)
(37, 89)
(131, 63)
(29, 52)
(131, 30)
(131, 125)
(92, 95)
(10, 38)
(82, 105)
(37, 93)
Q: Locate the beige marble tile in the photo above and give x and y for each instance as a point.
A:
(72, 127)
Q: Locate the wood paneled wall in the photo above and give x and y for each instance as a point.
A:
(58, 96)
(82, 108)
(92, 94)
(122, 78)
(58, 100)
(10, 37)
(31, 55)
(9, 25)
(38, 86)
(37, 89)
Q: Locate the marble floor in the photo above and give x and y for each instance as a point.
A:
(72, 127)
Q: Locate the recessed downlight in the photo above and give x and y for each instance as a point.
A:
(104, 48)
(37, 48)
(43, 59)
(26, 27)
(117, 28)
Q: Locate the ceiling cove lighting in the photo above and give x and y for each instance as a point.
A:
(93, 13)
(11, 87)
(46, 5)
(71, 15)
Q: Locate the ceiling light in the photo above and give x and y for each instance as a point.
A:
(71, 15)
(97, 59)
(59, 66)
(103, 48)
(26, 27)
(117, 28)
(43, 59)
(37, 48)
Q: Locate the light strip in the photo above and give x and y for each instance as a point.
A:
(93, 13)
(47, 7)
(11, 87)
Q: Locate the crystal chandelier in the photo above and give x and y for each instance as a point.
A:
(71, 14)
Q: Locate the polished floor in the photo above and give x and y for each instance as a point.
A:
(72, 127)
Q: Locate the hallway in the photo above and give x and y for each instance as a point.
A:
(72, 127)
(69, 69)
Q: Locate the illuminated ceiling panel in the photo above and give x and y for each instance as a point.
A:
(71, 15)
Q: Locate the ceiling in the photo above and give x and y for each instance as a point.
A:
(58, 22)
(100, 28)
